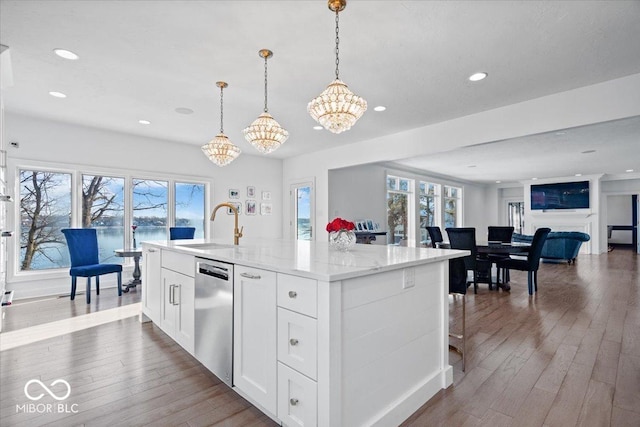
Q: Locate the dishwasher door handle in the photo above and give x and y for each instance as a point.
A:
(251, 276)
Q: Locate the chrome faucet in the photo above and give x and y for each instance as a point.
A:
(237, 233)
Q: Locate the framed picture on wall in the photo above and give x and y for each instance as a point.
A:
(265, 208)
(234, 194)
(251, 191)
(266, 195)
(251, 207)
(237, 205)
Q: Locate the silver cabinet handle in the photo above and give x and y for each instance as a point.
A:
(293, 294)
(171, 294)
(250, 276)
(176, 301)
(293, 341)
(151, 250)
(293, 401)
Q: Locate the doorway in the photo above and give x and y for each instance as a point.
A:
(303, 210)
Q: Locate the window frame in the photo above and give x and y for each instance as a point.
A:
(411, 206)
(77, 171)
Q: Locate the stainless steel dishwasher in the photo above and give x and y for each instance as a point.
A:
(214, 317)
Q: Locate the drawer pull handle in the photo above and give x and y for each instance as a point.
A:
(250, 276)
(151, 250)
(293, 341)
(293, 401)
(293, 294)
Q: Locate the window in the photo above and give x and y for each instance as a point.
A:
(189, 206)
(45, 209)
(515, 214)
(150, 198)
(303, 212)
(103, 209)
(399, 202)
(452, 206)
(429, 209)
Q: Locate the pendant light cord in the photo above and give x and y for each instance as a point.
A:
(221, 110)
(266, 110)
(337, 47)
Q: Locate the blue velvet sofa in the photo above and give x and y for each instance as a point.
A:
(559, 246)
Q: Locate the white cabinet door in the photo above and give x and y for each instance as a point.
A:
(185, 311)
(298, 342)
(254, 320)
(151, 284)
(298, 402)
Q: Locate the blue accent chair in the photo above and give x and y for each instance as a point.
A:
(83, 250)
(180, 233)
(559, 246)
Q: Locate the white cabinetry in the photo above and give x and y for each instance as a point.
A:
(297, 351)
(151, 284)
(178, 297)
(254, 335)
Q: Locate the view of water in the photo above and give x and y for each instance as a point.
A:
(304, 229)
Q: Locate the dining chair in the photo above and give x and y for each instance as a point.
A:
(458, 287)
(465, 238)
(531, 263)
(502, 234)
(435, 234)
(181, 233)
(83, 251)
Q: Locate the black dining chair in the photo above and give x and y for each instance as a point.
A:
(180, 233)
(531, 263)
(435, 235)
(465, 238)
(502, 234)
(458, 287)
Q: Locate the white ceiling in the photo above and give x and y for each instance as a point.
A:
(144, 59)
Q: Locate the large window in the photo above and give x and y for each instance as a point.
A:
(189, 206)
(103, 209)
(429, 194)
(45, 209)
(52, 200)
(399, 198)
(452, 206)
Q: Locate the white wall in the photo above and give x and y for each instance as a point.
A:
(619, 209)
(49, 142)
(611, 100)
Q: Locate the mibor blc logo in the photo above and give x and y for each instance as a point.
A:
(35, 390)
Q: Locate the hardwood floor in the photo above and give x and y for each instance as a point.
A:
(568, 356)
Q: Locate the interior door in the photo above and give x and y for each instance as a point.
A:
(303, 210)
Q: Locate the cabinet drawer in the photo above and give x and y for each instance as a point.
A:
(298, 342)
(182, 263)
(298, 294)
(297, 398)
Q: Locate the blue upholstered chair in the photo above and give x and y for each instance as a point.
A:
(435, 235)
(83, 250)
(180, 233)
(531, 264)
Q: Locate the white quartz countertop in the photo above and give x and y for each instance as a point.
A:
(315, 260)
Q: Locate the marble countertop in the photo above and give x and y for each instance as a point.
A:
(310, 259)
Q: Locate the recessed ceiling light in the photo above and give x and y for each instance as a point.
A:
(66, 54)
(379, 108)
(561, 133)
(471, 166)
(144, 122)
(588, 151)
(58, 94)
(498, 182)
(629, 170)
(318, 128)
(533, 179)
(184, 110)
(578, 174)
(478, 76)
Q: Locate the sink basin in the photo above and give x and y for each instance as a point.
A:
(204, 245)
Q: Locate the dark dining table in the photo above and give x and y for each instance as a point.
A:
(497, 248)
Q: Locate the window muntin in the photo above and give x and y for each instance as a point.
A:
(45, 209)
(452, 206)
(429, 194)
(399, 204)
(189, 206)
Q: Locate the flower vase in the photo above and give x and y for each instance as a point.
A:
(134, 240)
(342, 240)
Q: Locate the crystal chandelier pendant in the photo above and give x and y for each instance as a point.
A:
(265, 133)
(337, 108)
(220, 150)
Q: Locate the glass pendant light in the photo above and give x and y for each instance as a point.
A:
(220, 150)
(337, 108)
(265, 133)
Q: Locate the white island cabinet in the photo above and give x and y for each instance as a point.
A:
(325, 338)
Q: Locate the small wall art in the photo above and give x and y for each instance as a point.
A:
(251, 207)
(234, 194)
(266, 195)
(251, 191)
(237, 205)
(265, 208)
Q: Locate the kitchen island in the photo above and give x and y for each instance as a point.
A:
(320, 337)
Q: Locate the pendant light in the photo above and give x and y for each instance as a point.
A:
(265, 133)
(220, 150)
(337, 108)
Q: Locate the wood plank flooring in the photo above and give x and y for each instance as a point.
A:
(568, 356)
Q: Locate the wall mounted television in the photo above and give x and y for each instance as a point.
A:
(562, 195)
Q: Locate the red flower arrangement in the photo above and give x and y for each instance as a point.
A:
(340, 224)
